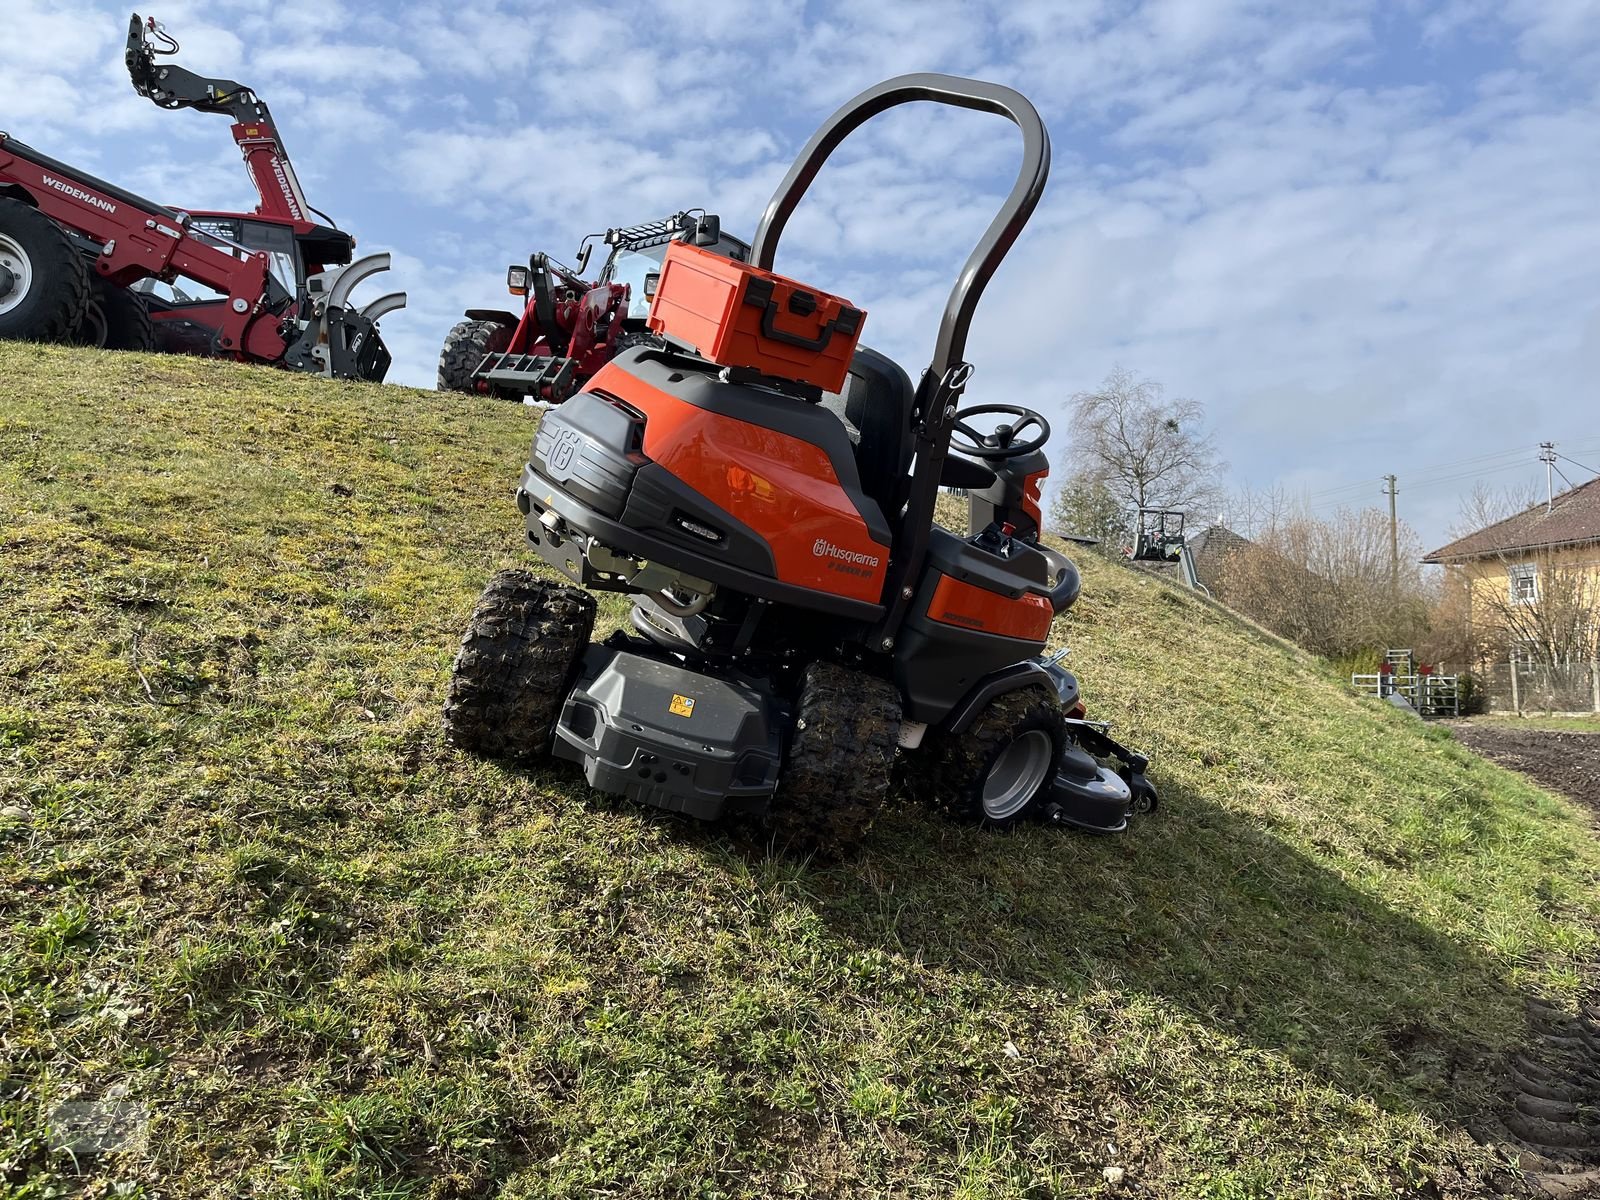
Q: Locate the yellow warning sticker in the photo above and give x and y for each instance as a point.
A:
(681, 706)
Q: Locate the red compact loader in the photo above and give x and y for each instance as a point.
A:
(84, 260)
(570, 328)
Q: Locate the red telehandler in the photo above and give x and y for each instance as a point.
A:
(84, 260)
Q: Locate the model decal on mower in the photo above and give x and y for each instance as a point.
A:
(50, 181)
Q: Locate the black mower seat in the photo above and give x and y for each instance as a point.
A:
(875, 407)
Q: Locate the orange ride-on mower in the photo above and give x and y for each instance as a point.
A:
(570, 328)
(801, 629)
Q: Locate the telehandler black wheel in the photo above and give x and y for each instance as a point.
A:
(128, 323)
(995, 772)
(44, 286)
(837, 773)
(464, 348)
(516, 659)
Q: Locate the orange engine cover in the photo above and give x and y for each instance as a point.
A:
(782, 487)
(956, 602)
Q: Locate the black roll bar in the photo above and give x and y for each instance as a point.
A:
(1003, 230)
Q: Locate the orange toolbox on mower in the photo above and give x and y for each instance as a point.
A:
(738, 315)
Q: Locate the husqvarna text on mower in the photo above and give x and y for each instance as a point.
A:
(765, 490)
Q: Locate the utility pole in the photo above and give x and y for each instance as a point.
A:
(1547, 455)
(1391, 491)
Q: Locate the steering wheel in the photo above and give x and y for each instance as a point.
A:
(1002, 443)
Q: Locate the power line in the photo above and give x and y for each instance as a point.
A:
(1424, 485)
(1451, 467)
(1576, 463)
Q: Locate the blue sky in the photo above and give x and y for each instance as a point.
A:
(1364, 234)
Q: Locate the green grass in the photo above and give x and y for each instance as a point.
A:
(244, 885)
(1533, 720)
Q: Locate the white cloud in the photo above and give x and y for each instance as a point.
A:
(1361, 234)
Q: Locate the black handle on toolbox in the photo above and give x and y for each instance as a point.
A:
(758, 292)
(1002, 231)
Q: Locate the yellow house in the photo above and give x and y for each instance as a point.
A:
(1532, 584)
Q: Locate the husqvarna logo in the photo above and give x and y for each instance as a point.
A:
(852, 562)
(567, 442)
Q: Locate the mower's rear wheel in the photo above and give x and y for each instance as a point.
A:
(511, 674)
(840, 761)
(128, 323)
(44, 286)
(464, 348)
(995, 772)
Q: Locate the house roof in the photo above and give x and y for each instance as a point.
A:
(1573, 519)
(1216, 539)
(1210, 547)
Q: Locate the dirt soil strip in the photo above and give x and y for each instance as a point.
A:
(1548, 1123)
(1568, 763)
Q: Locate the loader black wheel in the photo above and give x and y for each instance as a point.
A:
(841, 759)
(464, 348)
(995, 772)
(127, 321)
(91, 327)
(44, 285)
(516, 659)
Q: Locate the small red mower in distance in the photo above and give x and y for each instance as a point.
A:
(764, 487)
(570, 328)
(84, 260)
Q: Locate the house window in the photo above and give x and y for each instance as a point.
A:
(1524, 583)
(1525, 654)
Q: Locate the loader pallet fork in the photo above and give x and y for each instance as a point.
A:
(281, 281)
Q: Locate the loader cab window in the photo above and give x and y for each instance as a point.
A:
(239, 238)
(635, 268)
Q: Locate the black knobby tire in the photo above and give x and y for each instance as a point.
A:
(517, 657)
(128, 323)
(1017, 723)
(49, 292)
(90, 330)
(464, 348)
(840, 764)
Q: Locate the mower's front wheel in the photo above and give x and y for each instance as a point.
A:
(840, 761)
(994, 773)
(511, 674)
(464, 348)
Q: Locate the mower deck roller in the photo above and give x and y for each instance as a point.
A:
(802, 633)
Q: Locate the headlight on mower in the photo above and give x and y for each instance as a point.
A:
(517, 280)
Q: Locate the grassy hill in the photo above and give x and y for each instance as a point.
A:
(248, 897)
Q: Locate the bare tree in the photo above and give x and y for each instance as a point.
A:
(1484, 506)
(1150, 452)
(1254, 512)
(1547, 609)
(1326, 583)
